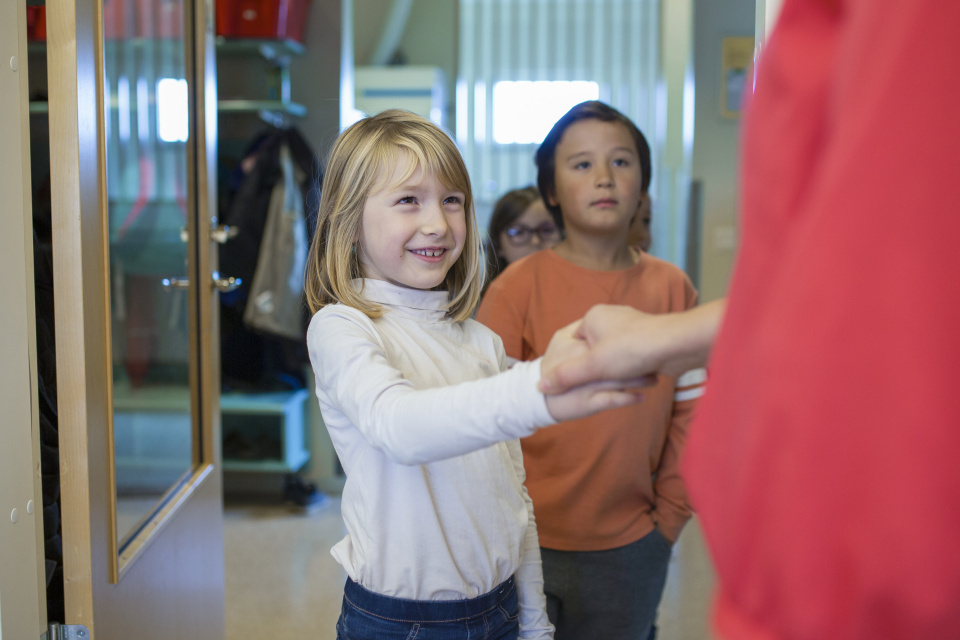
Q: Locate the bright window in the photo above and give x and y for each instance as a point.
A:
(172, 110)
(524, 111)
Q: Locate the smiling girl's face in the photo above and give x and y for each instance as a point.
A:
(413, 230)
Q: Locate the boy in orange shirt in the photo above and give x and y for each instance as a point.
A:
(608, 496)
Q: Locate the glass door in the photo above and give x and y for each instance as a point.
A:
(147, 125)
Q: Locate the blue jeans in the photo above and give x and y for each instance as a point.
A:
(370, 616)
(612, 594)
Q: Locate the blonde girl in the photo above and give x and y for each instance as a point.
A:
(441, 540)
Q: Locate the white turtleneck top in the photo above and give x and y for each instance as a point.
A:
(434, 503)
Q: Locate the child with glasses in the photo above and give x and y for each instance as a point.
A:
(520, 225)
(607, 490)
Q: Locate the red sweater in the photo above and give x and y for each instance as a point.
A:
(592, 480)
(825, 462)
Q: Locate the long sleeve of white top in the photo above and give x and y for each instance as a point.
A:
(534, 622)
(416, 426)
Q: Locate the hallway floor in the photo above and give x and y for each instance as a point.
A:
(282, 582)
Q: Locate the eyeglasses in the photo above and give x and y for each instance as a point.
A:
(520, 235)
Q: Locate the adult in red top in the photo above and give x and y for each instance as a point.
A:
(825, 462)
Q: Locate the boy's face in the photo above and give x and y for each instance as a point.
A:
(597, 178)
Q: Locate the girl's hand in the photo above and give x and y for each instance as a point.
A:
(590, 399)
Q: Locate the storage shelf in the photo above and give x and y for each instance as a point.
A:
(273, 112)
(261, 402)
(290, 465)
(272, 50)
(261, 106)
(278, 53)
(270, 427)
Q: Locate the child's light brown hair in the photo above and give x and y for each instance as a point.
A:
(361, 162)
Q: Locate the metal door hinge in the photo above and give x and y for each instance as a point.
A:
(67, 632)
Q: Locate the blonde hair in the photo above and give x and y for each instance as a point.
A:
(363, 158)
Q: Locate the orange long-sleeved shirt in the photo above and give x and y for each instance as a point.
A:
(605, 481)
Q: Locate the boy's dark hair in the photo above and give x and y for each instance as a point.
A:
(590, 110)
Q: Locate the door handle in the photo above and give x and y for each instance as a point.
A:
(219, 233)
(224, 285)
(223, 232)
(171, 284)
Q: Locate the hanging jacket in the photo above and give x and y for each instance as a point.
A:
(263, 351)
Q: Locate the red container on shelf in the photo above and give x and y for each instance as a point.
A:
(36, 24)
(275, 19)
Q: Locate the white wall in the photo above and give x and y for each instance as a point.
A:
(673, 133)
(429, 38)
(315, 77)
(716, 147)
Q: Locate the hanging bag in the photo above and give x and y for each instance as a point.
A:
(275, 303)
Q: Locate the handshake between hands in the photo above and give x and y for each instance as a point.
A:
(579, 375)
(604, 360)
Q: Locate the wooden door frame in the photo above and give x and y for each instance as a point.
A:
(23, 610)
(93, 572)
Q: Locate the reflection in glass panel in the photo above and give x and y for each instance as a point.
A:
(146, 131)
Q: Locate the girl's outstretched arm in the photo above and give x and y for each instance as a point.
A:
(415, 426)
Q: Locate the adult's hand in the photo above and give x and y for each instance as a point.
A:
(625, 344)
(585, 400)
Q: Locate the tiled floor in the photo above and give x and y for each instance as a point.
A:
(283, 583)
(685, 608)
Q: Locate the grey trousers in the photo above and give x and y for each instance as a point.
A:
(612, 594)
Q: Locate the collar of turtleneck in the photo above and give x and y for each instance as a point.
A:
(422, 305)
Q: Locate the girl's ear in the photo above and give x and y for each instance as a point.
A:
(552, 200)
